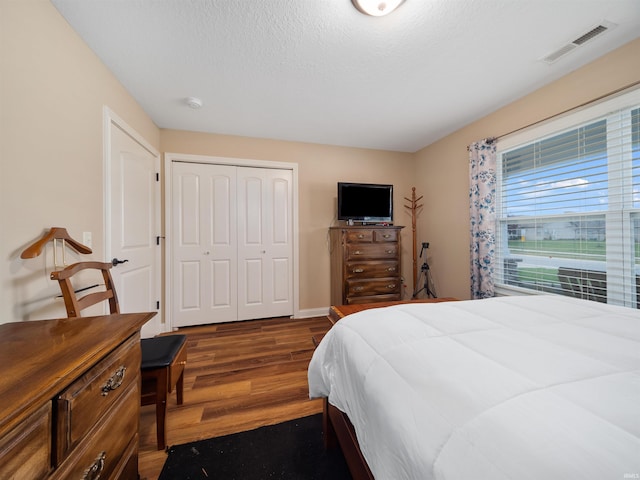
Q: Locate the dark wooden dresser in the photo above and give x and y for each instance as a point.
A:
(365, 264)
(70, 397)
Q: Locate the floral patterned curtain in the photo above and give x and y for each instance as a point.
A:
(482, 197)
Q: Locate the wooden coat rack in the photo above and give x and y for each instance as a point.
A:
(55, 234)
(413, 206)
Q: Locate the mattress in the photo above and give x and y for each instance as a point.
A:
(524, 387)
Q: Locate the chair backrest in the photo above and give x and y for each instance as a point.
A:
(75, 304)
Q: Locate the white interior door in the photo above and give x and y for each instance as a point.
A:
(132, 224)
(265, 247)
(204, 244)
(231, 242)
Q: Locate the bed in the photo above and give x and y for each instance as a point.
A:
(526, 387)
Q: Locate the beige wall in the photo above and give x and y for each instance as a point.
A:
(320, 167)
(443, 166)
(53, 89)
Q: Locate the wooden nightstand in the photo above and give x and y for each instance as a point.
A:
(337, 312)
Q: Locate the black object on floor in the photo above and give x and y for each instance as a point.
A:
(291, 450)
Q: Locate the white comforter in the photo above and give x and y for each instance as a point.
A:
(531, 387)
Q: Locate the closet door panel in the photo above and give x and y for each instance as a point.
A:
(264, 222)
(251, 245)
(281, 223)
(233, 223)
(251, 205)
(205, 247)
(222, 243)
(189, 210)
(254, 286)
(281, 244)
(280, 281)
(187, 224)
(221, 278)
(190, 282)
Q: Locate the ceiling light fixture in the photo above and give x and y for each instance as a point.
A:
(376, 8)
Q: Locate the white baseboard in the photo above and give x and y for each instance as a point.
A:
(312, 312)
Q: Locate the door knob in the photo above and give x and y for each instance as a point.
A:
(115, 262)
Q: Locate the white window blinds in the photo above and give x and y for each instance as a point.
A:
(569, 205)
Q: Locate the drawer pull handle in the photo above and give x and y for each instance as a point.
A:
(391, 269)
(386, 235)
(95, 470)
(358, 289)
(391, 286)
(358, 270)
(115, 381)
(391, 252)
(360, 235)
(357, 252)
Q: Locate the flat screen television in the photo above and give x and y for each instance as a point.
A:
(365, 202)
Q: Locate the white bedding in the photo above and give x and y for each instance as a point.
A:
(528, 387)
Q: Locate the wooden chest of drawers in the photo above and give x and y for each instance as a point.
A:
(365, 264)
(70, 394)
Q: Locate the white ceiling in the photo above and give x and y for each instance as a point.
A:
(320, 71)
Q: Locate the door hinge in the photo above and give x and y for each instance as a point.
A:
(158, 305)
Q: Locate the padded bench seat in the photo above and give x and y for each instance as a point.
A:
(163, 361)
(161, 351)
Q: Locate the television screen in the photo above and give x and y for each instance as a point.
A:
(365, 202)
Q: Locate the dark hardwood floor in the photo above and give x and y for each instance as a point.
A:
(239, 376)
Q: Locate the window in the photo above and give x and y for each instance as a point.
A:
(569, 205)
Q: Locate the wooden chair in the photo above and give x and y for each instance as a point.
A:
(163, 358)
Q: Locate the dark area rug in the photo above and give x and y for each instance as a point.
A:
(289, 450)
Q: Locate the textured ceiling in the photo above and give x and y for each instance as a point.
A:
(320, 71)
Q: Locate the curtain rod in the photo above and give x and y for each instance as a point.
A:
(550, 117)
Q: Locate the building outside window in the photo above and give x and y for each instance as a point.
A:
(569, 205)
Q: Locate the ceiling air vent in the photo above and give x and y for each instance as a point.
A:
(594, 32)
(581, 40)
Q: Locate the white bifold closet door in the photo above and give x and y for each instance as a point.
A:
(232, 238)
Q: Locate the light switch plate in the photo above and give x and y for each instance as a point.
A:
(86, 239)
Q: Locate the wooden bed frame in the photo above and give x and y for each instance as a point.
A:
(338, 429)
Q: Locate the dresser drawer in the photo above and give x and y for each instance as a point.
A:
(101, 455)
(128, 466)
(371, 251)
(81, 405)
(381, 235)
(373, 299)
(371, 269)
(359, 236)
(382, 286)
(25, 452)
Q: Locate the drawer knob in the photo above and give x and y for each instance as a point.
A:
(391, 286)
(357, 252)
(360, 235)
(358, 289)
(391, 252)
(95, 470)
(358, 270)
(391, 269)
(386, 235)
(115, 381)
